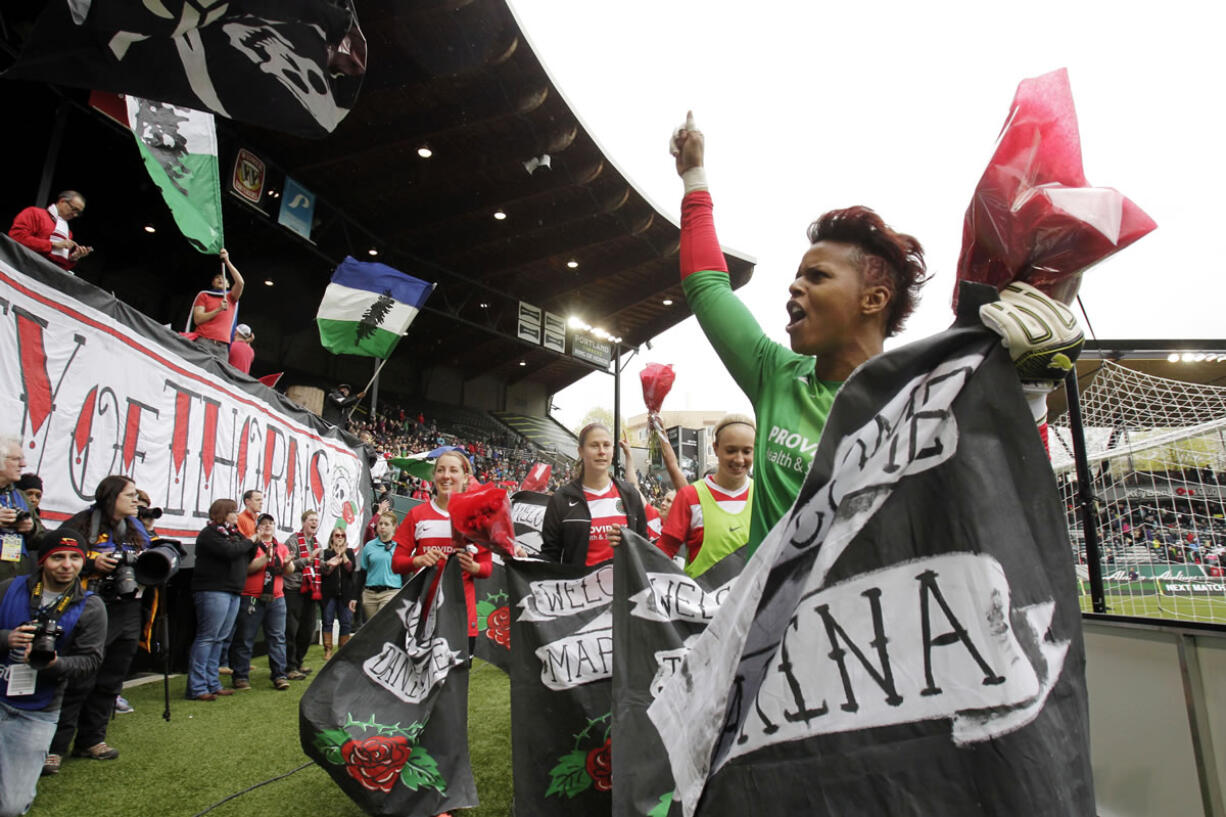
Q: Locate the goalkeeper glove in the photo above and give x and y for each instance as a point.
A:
(1041, 334)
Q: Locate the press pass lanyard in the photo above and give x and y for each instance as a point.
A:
(59, 604)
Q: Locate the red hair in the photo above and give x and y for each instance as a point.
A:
(886, 258)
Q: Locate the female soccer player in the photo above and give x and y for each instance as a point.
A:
(854, 287)
(425, 535)
(711, 517)
(584, 518)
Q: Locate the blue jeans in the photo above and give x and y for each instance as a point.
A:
(251, 614)
(24, 738)
(215, 612)
(335, 608)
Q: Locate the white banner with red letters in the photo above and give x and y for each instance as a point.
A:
(94, 388)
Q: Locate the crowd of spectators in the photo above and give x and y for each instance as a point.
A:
(1170, 531)
(497, 456)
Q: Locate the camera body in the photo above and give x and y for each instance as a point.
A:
(122, 580)
(42, 648)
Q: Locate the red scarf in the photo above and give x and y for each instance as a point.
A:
(310, 571)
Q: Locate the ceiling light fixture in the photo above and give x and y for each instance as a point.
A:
(425, 152)
(373, 251)
(267, 282)
(1186, 357)
(667, 301)
(522, 363)
(1173, 357)
(573, 264)
(499, 215)
(149, 228)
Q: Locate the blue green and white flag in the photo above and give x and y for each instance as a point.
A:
(368, 307)
(179, 148)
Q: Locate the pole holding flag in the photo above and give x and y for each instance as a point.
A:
(368, 307)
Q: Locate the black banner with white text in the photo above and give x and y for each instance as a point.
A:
(907, 641)
(561, 687)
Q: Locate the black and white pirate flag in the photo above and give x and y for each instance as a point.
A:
(907, 641)
(658, 613)
(290, 65)
(387, 717)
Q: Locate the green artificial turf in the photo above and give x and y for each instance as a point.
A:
(209, 750)
(1171, 608)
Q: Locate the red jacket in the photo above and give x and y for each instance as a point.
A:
(33, 228)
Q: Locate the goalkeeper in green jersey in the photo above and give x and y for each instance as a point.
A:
(855, 286)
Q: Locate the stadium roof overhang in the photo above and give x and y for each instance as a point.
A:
(458, 78)
(1189, 361)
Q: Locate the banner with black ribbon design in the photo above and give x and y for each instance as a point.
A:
(658, 613)
(907, 641)
(387, 717)
(561, 687)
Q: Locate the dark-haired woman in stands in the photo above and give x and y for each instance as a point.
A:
(854, 287)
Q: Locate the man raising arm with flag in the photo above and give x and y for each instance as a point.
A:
(214, 311)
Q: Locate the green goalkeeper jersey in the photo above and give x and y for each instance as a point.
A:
(790, 402)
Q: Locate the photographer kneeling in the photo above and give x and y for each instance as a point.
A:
(52, 632)
(114, 538)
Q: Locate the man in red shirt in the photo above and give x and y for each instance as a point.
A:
(263, 605)
(45, 230)
(253, 503)
(214, 309)
(241, 353)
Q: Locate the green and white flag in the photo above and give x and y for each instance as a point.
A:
(368, 307)
(179, 147)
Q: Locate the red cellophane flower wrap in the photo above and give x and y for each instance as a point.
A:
(1034, 217)
(483, 516)
(657, 381)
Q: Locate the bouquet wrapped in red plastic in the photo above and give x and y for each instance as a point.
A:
(657, 379)
(1034, 217)
(483, 516)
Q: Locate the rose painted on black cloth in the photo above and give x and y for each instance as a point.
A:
(498, 627)
(375, 762)
(600, 766)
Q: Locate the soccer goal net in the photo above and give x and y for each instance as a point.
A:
(1157, 456)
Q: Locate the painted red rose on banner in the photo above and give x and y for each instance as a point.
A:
(375, 762)
(600, 766)
(498, 627)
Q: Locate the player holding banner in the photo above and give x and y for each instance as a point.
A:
(854, 287)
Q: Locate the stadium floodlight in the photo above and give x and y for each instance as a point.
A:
(1187, 357)
(1173, 357)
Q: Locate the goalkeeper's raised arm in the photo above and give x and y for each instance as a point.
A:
(854, 287)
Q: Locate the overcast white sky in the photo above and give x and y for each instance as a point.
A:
(810, 106)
